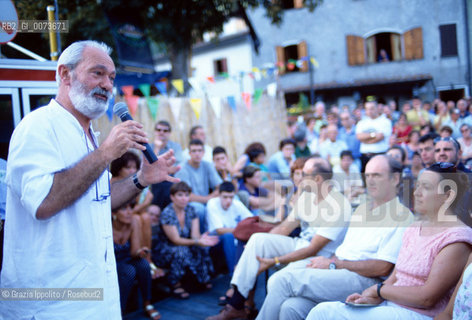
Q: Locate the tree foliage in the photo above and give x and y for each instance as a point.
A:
(174, 25)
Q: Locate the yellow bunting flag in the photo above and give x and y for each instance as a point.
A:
(196, 105)
(179, 85)
(314, 62)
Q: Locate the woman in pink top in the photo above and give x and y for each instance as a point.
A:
(433, 254)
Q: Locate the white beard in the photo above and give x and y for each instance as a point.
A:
(86, 103)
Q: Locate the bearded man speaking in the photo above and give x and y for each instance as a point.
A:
(58, 235)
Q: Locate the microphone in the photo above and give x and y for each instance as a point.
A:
(121, 110)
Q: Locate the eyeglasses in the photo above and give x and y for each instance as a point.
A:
(305, 175)
(162, 130)
(102, 196)
(465, 130)
(448, 139)
(443, 167)
(105, 195)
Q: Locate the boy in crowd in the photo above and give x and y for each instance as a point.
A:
(223, 215)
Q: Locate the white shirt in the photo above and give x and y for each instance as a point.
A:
(376, 234)
(333, 150)
(346, 181)
(217, 217)
(73, 248)
(379, 124)
(329, 219)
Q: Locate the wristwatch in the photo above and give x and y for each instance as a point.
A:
(136, 182)
(332, 265)
(379, 286)
(277, 261)
(372, 134)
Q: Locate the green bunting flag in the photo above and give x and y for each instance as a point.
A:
(145, 89)
(153, 105)
(257, 95)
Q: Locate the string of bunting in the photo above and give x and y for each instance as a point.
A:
(196, 103)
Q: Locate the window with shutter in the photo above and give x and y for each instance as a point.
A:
(292, 58)
(413, 40)
(448, 38)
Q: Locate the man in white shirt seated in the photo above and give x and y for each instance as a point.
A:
(223, 215)
(368, 252)
(323, 214)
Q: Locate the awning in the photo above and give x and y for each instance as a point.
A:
(135, 79)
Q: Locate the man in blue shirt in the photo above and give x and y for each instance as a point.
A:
(202, 177)
(347, 133)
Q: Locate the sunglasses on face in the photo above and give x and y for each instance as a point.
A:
(448, 139)
(443, 167)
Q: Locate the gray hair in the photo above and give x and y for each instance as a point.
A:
(72, 55)
(465, 125)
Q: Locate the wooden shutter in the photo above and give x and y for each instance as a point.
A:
(413, 44)
(371, 47)
(298, 4)
(280, 51)
(303, 53)
(355, 50)
(396, 45)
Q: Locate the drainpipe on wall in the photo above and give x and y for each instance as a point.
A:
(467, 44)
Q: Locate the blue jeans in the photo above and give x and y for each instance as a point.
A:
(229, 249)
(130, 270)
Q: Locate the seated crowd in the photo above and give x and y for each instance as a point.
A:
(364, 214)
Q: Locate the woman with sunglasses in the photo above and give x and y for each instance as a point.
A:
(433, 254)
